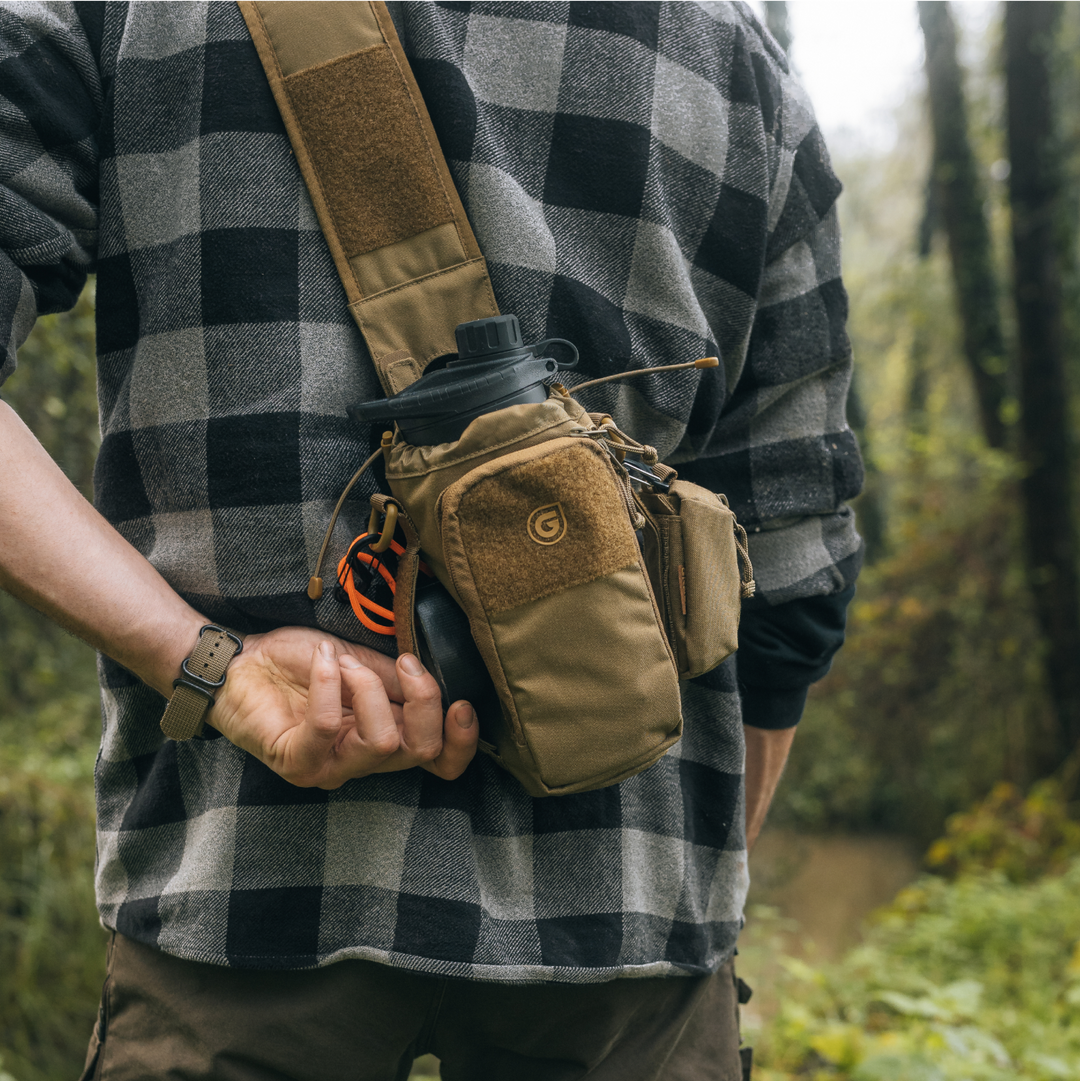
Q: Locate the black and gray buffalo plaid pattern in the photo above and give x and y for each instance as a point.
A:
(646, 180)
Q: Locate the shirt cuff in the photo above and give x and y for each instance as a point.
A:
(772, 709)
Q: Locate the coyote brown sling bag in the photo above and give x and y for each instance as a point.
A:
(528, 510)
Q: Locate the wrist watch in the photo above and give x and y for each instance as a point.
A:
(201, 675)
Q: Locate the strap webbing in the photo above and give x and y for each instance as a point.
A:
(405, 578)
(383, 194)
(184, 714)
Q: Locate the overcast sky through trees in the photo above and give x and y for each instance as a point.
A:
(858, 59)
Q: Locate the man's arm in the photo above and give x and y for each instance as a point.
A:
(782, 650)
(766, 754)
(314, 708)
(317, 716)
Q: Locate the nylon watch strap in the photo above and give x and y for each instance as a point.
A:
(201, 675)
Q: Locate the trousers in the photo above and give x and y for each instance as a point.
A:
(165, 1017)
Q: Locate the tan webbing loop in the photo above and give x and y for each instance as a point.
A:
(747, 585)
(407, 568)
(385, 200)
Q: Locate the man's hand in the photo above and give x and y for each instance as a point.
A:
(315, 718)
(320, 711)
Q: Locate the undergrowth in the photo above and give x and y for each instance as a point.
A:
(969, 976)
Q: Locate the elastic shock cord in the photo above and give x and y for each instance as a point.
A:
(357, 600)
(315, 582)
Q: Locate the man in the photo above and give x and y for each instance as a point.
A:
(339, 884)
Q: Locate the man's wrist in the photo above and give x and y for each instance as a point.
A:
(166, 649)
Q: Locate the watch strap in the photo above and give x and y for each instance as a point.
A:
(202, 674)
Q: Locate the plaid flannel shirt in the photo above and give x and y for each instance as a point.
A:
(646, 180)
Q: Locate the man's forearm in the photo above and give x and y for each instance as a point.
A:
(766, 754)
(313, 708)
(60, 556)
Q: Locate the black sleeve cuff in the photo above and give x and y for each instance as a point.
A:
(782, 650)
(771, 709)
(786, 647)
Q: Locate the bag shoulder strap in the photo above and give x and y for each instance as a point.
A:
(385, 200)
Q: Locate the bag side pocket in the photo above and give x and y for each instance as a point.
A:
(696, 554)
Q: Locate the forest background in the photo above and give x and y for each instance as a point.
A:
(948, 719)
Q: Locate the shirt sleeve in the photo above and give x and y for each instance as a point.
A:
(781, 449)
(50, 112)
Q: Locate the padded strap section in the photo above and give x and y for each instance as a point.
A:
(397, 230)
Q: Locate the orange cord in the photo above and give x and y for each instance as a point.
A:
(356, 599)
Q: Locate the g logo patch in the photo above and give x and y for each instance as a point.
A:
(547, 524)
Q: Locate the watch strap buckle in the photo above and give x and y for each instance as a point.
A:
(202, 674)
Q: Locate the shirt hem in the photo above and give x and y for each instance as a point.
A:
(432, 966)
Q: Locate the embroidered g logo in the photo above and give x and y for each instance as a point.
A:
(547, 524)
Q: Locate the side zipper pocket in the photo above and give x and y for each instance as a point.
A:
(698, 562)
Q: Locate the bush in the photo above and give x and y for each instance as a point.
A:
(51, 944)
(1021, 836)
(978, 978)
(938, 693)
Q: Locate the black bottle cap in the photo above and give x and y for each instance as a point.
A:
(493, 370)
(482, 337)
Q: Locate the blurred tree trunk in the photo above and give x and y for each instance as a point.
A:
(776, 19)
(1046, 489)
(918, 396)
(869, 510)
(961, 212)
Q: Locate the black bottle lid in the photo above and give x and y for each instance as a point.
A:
(481, 338)
(493, 369)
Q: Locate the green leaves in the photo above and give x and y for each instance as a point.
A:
(52, 948)
(977, 979)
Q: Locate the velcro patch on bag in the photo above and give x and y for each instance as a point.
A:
(536, 527)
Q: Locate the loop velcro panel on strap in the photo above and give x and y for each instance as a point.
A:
(383, 194)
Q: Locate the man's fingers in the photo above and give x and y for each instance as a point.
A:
(422, 732)
(376, 733)
(379, 663)
(460, 734)
(312, 741)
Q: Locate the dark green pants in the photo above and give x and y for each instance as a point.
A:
(162, 1017)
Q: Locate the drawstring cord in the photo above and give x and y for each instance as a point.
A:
(315, 582)
(748, 587)
(704, 362)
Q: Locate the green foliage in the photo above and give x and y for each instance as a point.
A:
(1021, 836)
(974, 980)
(938, 693)
(51, 945)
